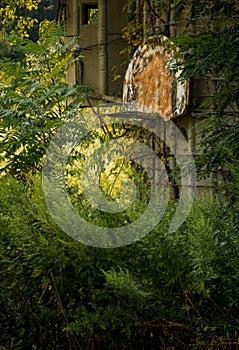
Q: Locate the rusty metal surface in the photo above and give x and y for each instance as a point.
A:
(149, 82)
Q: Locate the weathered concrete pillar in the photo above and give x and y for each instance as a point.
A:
(158, 23)
(191, 133)
(172, 24)
(145, 21)
(103, 47)
(137, 12)
(72, 30)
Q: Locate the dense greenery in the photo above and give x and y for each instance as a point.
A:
(14, 22)
(22, 17)
(167, 291)
(177, 291)
(35, 98)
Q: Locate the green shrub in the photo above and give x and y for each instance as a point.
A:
(169, 291)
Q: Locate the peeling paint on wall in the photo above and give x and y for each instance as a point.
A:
(150, 84)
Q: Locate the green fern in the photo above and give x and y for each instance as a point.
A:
(122, 283)
(35, 99)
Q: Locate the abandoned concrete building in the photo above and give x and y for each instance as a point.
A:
(99, 23)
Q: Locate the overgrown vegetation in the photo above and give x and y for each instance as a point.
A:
(167, 291)
(35, 99)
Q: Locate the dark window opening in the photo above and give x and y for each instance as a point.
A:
(184, 133)
(90, 14)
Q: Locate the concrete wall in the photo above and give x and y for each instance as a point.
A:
(100, 44)
(116, 22)
(89, 45)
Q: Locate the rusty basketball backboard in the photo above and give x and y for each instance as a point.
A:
(150, 84)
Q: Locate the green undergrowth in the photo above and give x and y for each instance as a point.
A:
(166, 291)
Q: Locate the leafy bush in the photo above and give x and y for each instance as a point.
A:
(35, 98)
(167, 290)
